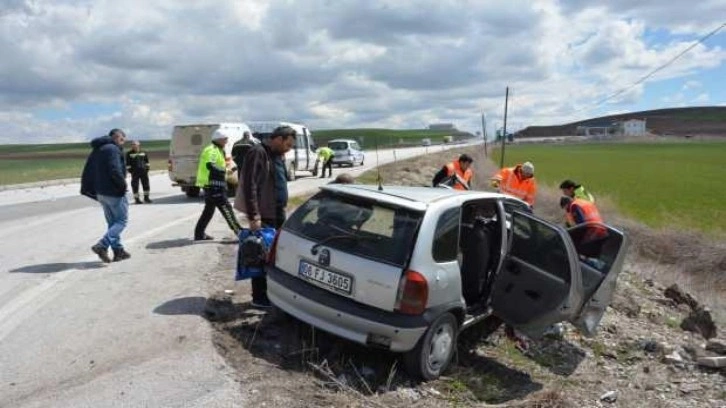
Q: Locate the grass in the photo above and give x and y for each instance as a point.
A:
(383, 137)
(679, 185)
(15, 171)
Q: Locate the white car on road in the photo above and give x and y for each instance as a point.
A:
(407, 268)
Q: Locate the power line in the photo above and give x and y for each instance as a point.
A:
(658, 69)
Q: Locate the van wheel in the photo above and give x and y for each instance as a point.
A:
(192, 192)
(290, 172)
(434, 351)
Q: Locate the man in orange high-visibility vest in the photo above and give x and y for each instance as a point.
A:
(580, 211)
(456, 174)
(517, 181)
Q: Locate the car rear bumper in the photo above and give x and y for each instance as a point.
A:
(343, 317)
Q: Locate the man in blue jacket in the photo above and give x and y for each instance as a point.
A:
(104, 180)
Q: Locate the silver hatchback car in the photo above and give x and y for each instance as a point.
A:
(407, 268)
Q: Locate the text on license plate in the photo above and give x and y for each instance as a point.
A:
(333, 280)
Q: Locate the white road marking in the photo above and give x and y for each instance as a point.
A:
(30, 301)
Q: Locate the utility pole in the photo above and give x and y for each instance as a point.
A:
(484, 133)
(504, 131)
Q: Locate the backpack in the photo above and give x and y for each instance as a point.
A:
(252, 252)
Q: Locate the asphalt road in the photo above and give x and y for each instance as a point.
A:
(78, 333)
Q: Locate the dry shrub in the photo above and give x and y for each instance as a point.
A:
(548, 399)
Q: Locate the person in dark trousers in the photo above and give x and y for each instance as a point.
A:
(104, 180)
(262, 193)
(325, 157)
(212, 177)
(137, 164)
(240, 149)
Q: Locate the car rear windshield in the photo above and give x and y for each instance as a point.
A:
(338, 145)
(357, 226)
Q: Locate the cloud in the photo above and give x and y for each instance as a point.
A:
(330, 64)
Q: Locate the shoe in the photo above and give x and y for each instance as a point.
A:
(261, 303)
(102, 253)
(204, 237)
(147, 200)
(120, 254)
(137, 201)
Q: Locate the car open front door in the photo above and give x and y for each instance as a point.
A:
(539, 282)
(601, 250)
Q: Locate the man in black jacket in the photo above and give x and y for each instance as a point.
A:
(104, 180)
(137, 163)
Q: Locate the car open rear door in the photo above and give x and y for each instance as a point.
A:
(539, 282)
(601, 250)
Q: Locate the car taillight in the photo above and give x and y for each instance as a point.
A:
(170, 166)
(273, 250)
(413, 293)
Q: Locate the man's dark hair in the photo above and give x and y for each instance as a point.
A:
(115, 131)
(565, 201)
(465, 158)
(568, 184)
(283, 131)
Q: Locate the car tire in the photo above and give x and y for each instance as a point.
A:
(192, 192)
(434, 350)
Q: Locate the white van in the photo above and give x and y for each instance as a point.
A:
(187, 142)
(299, 158)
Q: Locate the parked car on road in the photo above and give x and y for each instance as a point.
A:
(347, 152)
(406, 269)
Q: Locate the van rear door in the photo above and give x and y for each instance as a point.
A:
(187, 143)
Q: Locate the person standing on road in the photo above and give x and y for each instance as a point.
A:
(262, 193)
(573, 190)
(104, 180)
(325, 156)
(137, 164)
(240, 149)
(517, 181)
(457, 174)
(212, 177)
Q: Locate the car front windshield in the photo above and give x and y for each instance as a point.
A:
(376, 231)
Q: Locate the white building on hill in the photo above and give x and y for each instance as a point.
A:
(632, 127)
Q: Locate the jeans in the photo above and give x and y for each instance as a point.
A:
(116, 210)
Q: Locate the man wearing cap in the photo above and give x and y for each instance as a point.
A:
(212, 177)
(573, 190)
(456, 174)
(517, 181)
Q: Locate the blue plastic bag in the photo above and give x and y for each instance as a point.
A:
(245, 271)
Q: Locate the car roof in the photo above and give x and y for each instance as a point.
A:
(416, 198)
(343, 140)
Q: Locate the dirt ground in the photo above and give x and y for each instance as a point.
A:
(282, 362)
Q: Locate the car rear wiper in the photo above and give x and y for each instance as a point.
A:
(356, 237)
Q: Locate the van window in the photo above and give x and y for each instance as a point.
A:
(360, 227)
(196, 139)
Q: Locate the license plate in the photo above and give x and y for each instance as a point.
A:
(331, 280)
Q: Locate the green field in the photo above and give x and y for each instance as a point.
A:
(383, 137)
(661, 184)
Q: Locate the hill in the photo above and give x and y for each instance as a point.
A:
(682, 122)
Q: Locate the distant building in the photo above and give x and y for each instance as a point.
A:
(631, 127)
(442, 126)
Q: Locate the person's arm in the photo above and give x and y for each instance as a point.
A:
(147, 166)
(128, 162)
(253, 169)
(577, 214)
(113, 158)
(440, 176)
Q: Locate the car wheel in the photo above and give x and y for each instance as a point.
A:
(434, 351)
(192, 192)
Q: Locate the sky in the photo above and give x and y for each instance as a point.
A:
(72, 70)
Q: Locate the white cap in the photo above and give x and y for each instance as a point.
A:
(220, 134)
(528, 169)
